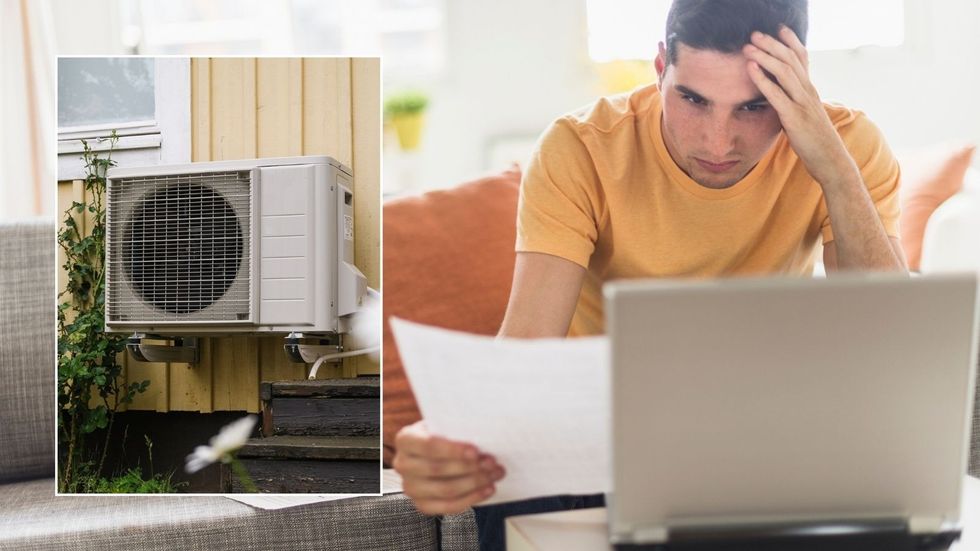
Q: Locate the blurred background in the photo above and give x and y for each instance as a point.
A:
(471, 84)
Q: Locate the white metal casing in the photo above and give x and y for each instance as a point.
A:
(244, 246)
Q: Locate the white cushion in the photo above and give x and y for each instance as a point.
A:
(952, 238)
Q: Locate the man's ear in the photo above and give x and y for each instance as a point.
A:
(660, 63)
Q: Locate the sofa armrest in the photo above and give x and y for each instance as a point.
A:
(952, 236)
(27, 349)
(458, 532)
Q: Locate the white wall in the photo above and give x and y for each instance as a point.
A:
(512, 67)
(91, 27)
(926, 91)
(515, 65)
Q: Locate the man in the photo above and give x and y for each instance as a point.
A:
(731, 165)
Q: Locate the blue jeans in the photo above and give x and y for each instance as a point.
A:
(490, 518)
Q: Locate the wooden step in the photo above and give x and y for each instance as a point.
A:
(361, 387)
(365, 448)
(295, 476)
(323, 416)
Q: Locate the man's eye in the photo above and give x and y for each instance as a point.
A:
(754, 108)
(692, 99)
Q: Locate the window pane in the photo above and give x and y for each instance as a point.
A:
(214, 27)
(409, 33)
(104, 90)
(631, 29)
(625, 29)
(847, 24)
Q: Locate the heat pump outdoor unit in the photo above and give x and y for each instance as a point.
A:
(249, 246)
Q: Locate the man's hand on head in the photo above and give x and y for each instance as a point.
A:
(860, 240)
(791, 93)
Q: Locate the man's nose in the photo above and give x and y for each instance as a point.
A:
(720, 137)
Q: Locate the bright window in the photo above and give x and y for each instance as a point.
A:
(104, 90)
(631, 29)
(849, 24)
(410, 33)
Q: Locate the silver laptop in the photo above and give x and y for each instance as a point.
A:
(789, 406)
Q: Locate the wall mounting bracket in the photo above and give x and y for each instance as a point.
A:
(178, 349)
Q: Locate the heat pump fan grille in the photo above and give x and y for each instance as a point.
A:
(181, 244)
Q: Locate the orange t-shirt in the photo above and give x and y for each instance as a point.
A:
(602, 191)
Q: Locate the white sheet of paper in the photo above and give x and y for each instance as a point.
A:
(540, 406)
(280, 501)
(391, 483)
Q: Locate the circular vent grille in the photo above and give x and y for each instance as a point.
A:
(184, 247)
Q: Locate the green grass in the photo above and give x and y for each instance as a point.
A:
(130, 482)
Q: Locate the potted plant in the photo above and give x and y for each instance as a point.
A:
(406, 112)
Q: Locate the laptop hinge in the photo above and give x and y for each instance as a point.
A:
(926, 525)
(650, 534)
(628, 533)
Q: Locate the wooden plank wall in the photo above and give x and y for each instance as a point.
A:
(272, 107)
(366, 117)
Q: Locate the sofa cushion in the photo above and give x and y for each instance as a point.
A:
(952, 238)
(929, 177)
(27, 349)
(449, 259)
(31, 517)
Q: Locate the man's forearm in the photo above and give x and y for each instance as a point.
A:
(860, 237)
(542, 297)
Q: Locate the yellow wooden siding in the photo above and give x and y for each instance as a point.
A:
(366, 116)
(248, 107)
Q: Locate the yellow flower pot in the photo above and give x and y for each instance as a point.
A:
(408, 126)
(624, 75)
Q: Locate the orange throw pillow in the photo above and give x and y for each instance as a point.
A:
(448, 261)
(929, 177)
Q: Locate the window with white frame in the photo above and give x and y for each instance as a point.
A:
(146, 101)
(631, 29)
(409, 33)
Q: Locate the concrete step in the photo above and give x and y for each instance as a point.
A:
(320, 436)
(322, 417)
(297, 476)
(360, 387)
(329, 407)
(364, 448)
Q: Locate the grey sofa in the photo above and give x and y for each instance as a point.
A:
(33, 518)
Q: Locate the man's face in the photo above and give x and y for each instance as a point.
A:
(716, 123)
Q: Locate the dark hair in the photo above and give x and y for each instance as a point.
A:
(726, 25)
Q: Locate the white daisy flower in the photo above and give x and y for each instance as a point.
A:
(229, 439)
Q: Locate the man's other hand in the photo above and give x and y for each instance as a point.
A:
(442, 476)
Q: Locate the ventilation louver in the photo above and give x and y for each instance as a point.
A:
(183, 247)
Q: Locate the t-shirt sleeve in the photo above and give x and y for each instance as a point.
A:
(560, 202)
(879, 170)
